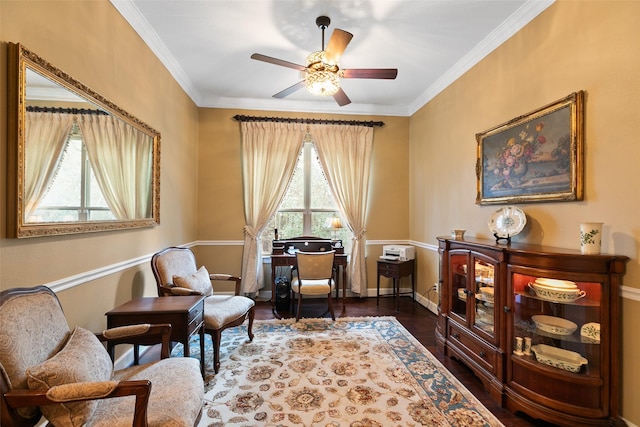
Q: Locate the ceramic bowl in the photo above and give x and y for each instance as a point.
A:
(557, 295)
(555, 283)
(554, 325)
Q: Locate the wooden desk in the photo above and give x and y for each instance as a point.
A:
(184, 313)
(396, 270)
(283, 260)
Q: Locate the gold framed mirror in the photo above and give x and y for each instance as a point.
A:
(77, 162)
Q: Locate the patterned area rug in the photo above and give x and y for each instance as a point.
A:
(354, 372)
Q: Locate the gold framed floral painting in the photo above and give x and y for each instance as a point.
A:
(536, 157)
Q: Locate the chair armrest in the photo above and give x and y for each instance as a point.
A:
(171, 290)
(225, 277)
(145, 334)
(77, 392)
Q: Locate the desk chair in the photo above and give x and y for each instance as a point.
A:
(315, 277)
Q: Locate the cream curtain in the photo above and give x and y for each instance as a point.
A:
(269, 154)
(121, 158)
(46, 135)
(345, 154)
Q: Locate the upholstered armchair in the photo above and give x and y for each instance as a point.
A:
(176, 274)
(68, 376)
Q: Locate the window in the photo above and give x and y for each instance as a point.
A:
(308, 205)
(66, 200)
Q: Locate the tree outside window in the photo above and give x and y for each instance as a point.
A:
(307, 206)
(65, 200)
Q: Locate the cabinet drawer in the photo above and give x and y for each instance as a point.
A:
(481, 352)
(196, 313)
(388, 269)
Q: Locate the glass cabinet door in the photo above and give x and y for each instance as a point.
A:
(459, 285)
(483, 289)
(556, 334)
(472, 295)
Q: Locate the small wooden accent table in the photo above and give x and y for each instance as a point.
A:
(184, 313)
(396, 270)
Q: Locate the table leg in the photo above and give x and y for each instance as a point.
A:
(273, 287)
(378, 290)
(202, 350)
(396, 292)
(344, 286)
(413, 286)
(136, 354)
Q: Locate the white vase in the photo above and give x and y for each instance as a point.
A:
(590, 237)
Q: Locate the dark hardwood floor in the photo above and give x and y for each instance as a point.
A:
(421, 323)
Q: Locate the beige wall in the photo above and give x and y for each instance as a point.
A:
(589, 45)
(220, 207)
(91, 42)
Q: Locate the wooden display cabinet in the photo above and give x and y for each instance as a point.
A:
(571, 375)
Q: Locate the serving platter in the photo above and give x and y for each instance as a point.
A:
(507, 222)
(558, 357)
(554, 325)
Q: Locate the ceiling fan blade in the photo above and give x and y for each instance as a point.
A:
(336, 46)
(288, 91)
(369, 73)
(341, 98)
(277, 61)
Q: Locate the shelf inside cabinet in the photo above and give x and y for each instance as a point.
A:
(525, 328)
(585, 376)
(585, 301)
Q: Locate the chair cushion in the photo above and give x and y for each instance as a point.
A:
(222, 309)
(312, 287)
(82, 359)
(177, 391)
(198, 281)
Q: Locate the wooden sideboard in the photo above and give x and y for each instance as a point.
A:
(553, 358)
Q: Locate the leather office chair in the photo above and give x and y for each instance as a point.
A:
(67, 375)
(176, 273)
(314, 277)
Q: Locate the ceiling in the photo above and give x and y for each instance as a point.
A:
(206, 45)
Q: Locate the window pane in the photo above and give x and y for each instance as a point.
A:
(55, 215)
(320, 193)
(63, 190)
(290, 224)
(320, 226)
(100, 215)
(294, 196)
(96, 198)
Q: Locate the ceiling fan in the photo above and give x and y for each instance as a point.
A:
(322, 73)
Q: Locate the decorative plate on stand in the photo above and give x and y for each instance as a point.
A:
(507, 222)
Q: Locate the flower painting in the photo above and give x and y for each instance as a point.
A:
(536, 157)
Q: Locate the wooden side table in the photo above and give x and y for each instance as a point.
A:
(184, 313)
(396, 270)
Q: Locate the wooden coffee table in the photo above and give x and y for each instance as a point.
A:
(184, 313)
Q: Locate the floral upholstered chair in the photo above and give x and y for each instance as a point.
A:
(68, 376)
(176, 273)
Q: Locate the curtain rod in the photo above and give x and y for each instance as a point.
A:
(34, 109)
(308, 121)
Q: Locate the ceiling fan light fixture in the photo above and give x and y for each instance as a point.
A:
(322, 79)
(322, 83)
